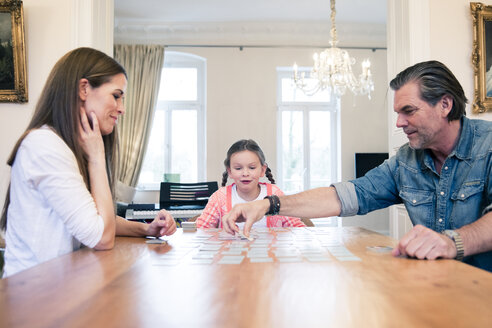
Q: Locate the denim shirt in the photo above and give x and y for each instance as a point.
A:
(449, 200)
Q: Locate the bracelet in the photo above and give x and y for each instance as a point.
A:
(274, 205)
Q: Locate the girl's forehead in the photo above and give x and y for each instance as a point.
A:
(244, 155)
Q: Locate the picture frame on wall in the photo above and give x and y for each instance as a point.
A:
(13, 77)
(482, 56)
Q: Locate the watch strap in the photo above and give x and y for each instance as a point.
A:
(460, 249)
(274, 205)
(458, 243)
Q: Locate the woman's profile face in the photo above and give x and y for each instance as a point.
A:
(106, 101)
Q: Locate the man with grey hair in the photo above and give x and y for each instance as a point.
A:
(442, 175)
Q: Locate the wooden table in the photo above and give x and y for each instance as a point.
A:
(123, 288)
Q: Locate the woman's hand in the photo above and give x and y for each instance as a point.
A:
(163, 225)
(90, 137)
(91, 141)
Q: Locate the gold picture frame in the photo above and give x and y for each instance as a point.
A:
(482, 56)
(13, 77)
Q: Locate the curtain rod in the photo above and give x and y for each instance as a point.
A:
(263, 46)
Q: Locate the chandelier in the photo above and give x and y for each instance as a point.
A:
(332, 70)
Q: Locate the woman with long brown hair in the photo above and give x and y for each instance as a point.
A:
(63, 167)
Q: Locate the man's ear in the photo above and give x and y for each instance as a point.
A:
(83, 88)
(446, 104)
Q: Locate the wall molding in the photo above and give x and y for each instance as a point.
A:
(248, 33)
(92, 24)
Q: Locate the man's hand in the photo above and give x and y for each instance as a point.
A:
(424, 243)
(247, 212)
(163, 225)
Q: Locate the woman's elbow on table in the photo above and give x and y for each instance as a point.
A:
(106, 242)
(109, 233)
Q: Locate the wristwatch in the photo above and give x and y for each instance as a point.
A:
(274, 205)
(458, 242)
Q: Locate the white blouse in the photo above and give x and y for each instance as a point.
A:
(51, 212)
(236, 199)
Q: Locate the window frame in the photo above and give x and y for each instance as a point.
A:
(332, 106)
(176, 59)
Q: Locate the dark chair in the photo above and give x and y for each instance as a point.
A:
(186, 194)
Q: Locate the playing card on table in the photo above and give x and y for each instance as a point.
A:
(289, 259)
(286, 252)
(258, 253)
(260, 259)
(233, 251)
(210, 247)
(319, 258)
(202, 261)
(203, 255)
(348, 258)
(156, 241)
(213, 242)
(231, 259)
(242, 236)
(226, 236)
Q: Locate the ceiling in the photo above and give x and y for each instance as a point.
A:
(355, 11)
(292, 22)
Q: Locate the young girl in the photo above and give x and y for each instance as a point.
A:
(63, 166)
(245, 164)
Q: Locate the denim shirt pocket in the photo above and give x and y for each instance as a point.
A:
(467, 190)
(467, 201)
(420, 205)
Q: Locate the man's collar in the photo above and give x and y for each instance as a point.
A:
(464, 147)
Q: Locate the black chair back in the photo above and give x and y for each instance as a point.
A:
(174, 194)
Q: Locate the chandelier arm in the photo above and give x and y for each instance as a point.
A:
(333, 30)
(332, 70)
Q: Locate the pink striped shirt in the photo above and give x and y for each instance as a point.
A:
(220, 203)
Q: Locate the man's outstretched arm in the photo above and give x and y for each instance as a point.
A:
(314, 203)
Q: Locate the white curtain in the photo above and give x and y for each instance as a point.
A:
(143, 64)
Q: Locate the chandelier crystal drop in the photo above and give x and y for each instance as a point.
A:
(332, 70)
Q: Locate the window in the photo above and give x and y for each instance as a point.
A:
(308, 146)
(177, 144)
(308, 139)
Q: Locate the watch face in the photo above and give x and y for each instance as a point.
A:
(450, 233)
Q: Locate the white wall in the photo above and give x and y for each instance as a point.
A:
(51, 30)
(451, 40)
(47, 37)
(364, 123)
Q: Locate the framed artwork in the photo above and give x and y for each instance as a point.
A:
(13, 77)
(482, 56)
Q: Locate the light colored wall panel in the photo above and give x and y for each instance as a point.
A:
(50, 32)
(47, 37)
(451, 34)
